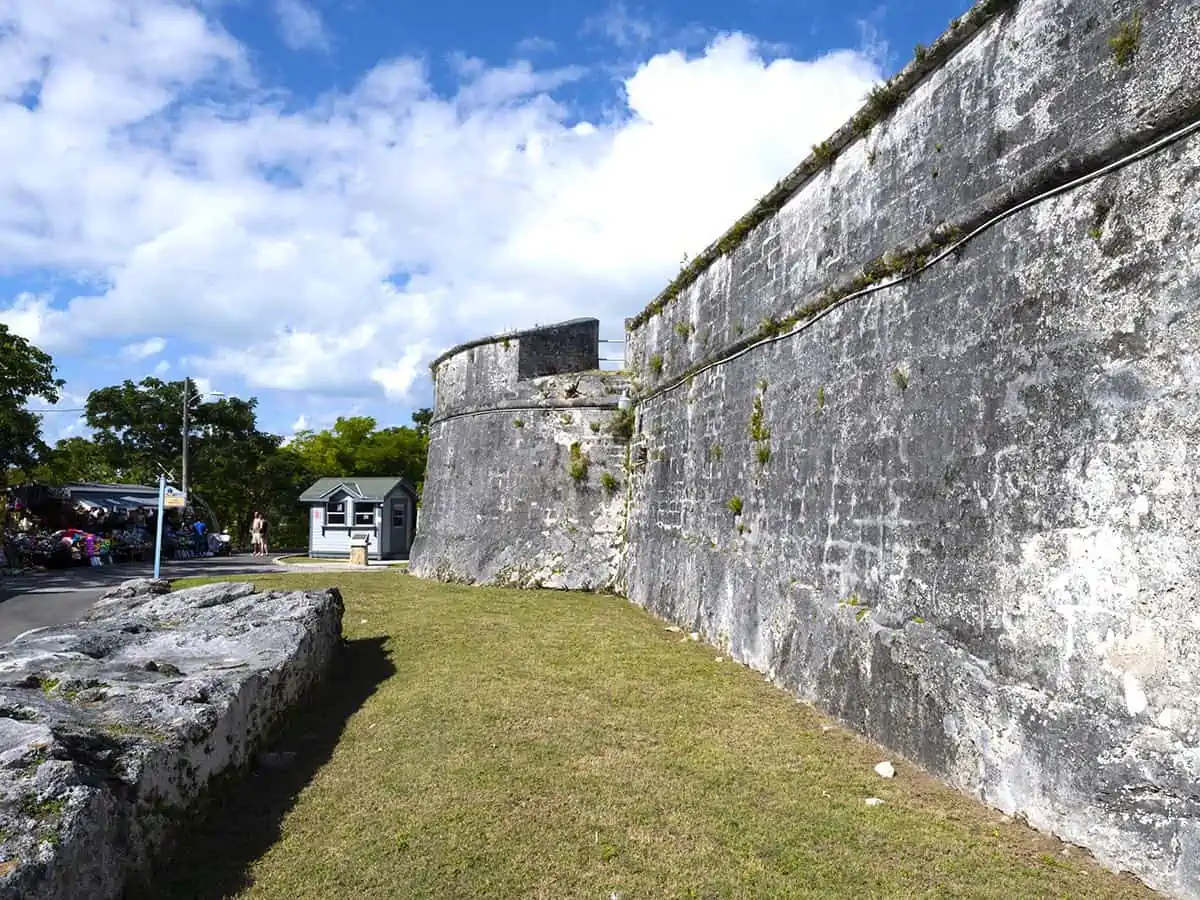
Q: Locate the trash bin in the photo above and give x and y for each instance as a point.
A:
(358, 551)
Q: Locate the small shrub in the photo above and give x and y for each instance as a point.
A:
(920, 52)
(764, 454)
(519, 423)
(881, 102)
(656, 364)
(716, 451)
(735, 505)
(608, 482)
(621, 424)
(577, 467)
(1124, 44)
(1095, 233)
(595, 426)
(759, 432)
(684, 329)
(821, 397)
(565, 419)
(901, 379)
(770, 327)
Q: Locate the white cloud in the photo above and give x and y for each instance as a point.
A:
(202, 385)
(300, 424)
(532, 45)
(300, 25)
(33, 317)
(144, 349)
(619, 25)
(161, 368)
(289, 231)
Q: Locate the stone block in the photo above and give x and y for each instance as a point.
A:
(111, 728)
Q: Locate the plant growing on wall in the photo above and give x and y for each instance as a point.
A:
(656, 364)
(621, 424)
(608, 482)
(900, 378)
(758, 429)
(1124, 44)
(735, 505)
(577, 466)
(759, 432)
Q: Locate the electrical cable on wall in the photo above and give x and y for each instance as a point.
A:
(1149, 150)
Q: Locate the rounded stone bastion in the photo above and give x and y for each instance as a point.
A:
(526, 481)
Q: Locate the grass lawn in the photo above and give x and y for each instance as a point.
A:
(482, 743)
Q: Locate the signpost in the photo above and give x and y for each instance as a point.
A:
(162, 490)
(168, 498)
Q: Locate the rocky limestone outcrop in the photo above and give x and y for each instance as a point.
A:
(111, 728)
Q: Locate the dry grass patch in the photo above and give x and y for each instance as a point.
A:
(481, 743)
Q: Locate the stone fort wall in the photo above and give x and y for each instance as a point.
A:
(528, 485)
(919, 438)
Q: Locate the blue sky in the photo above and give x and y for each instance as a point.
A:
(306, 200)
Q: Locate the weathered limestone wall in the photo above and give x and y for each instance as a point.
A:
(961, 511)
(513, 415)
(967, 506)
(111, 728)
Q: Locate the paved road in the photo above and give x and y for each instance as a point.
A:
(58, 597)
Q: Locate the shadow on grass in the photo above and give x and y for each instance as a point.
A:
(242, 817)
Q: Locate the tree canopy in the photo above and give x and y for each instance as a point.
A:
(234, 467)
(25, 372)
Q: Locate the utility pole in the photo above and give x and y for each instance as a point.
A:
(187, 402)
(187, 396)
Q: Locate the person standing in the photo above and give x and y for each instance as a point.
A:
(256, 533)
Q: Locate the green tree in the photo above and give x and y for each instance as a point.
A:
(75, 459)
(423, 418)
(354, 446)
(25, 372)
(139, 432)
